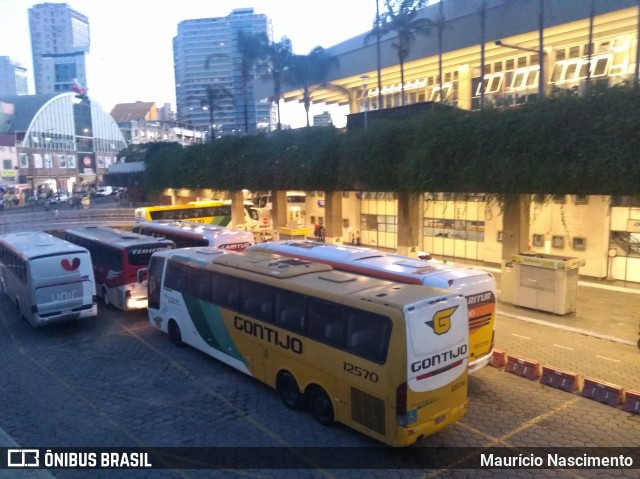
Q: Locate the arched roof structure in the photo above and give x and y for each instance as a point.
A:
(37, 118)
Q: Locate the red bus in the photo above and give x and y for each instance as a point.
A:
(120, 262)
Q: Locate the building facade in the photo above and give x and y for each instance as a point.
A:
(489, 55)
(495, 53)
(61, 142)
(144, 122)
(13, 78)
(60, 42)
(207, 65)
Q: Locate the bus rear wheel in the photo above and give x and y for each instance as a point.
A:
(320, 406)
(175, 334)
(288, 390)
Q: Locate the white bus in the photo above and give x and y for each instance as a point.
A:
(384, 358)
(48, 279)
(296, 207)
(187, 234)
(479, 287)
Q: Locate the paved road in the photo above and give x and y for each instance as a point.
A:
(598, 340)
(116, 381)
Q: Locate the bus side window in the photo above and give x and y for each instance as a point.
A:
(368, 335)
(200, 284)
(257, 301)
(290, 311)
(326, 322)
(176, 276)
(226, 291)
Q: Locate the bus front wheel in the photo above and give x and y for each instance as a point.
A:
(105, 297)
(320, 405)
(289, 392)
(175, 334)
(19, 308)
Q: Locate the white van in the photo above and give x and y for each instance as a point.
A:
(105, 191)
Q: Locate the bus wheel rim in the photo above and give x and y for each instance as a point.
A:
(289, 391)
(321, 406)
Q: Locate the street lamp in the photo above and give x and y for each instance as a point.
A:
(365, 98)
(379, 63)
(49, 155)
(500, 43)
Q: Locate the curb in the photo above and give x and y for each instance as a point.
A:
(568, 381)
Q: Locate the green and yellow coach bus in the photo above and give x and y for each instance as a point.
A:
(387, 359)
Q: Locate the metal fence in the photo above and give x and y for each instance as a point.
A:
(25, 219)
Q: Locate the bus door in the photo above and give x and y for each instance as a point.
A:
(62, 283)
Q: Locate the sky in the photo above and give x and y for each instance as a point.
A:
(131, 57)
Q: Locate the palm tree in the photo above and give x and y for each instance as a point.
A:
(400, 18)
(217, 96)
(309, 70)
(279, 55)
(252, 48)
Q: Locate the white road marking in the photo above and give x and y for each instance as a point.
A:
(563, 347)
(608, 359)
(518, 336)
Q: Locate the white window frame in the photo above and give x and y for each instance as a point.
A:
(489, 81)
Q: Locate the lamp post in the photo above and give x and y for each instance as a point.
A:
(365, 100)
(379, 62)
(49, 155)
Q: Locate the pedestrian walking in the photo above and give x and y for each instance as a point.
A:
(357, 238)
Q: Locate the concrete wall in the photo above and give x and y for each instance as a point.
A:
(568, 221)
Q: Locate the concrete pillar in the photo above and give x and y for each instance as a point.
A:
(465, 84)
(278, 210)
(173, 196)
(515, 225)
(333, 217)
(409, 224)
(237, 208)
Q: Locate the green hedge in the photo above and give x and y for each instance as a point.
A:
(564, 144)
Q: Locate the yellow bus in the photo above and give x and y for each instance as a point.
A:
(479, 287)
(386, 359)
(215, 212)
